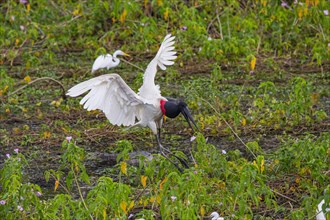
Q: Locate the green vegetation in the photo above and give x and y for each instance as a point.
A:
(254, 73)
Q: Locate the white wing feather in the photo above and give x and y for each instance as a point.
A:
(112, 95)
(102, 61)
(163, 58)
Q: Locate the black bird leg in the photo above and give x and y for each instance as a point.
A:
(158, 133)
(162, 149)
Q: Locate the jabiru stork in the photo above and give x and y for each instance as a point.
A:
(122, 106)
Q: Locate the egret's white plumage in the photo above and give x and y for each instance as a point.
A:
(216, 216)
(107, 61)
(121, 105)
(320, 214)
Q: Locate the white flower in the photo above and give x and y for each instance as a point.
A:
(224, 152)
(173, 198)
(192, 138)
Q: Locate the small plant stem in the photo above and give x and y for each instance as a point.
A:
(220, 26)
(193, 157)
(284, 196)
(259, 43)
(140, 194)
(322, 32)
(132, 64)
(235, 202)
(229, 34)
(79, 190)
(210, 24)
(37, 80)
(240, 96)
(230, 128)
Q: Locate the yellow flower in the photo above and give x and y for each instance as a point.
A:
(262, 167)
(300, 13)
(104, 214)
(144, 181)
(243, 121)
(131, 205)
(123, 167)
(75, 12)
(162, 183)
(27, 79)
(123, 206)
(16, 42)
(57, 103)
(166, 14)
(123, 16)
(202, 210)
(158, 199)
(47, 134)
(253, 63)
(56, 185)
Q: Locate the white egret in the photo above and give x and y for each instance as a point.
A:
(216, 216)
(108, 61)
(122, 106)
(320, 214)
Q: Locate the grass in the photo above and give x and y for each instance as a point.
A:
(254, 74)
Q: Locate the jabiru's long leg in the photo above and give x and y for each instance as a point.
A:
(163, 149)
(158, 133)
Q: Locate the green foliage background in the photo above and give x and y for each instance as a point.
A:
(254, 73)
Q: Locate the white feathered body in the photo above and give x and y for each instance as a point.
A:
(105, 61)
(120, 104)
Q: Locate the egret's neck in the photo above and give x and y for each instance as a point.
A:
(116, 53)
(115, 60)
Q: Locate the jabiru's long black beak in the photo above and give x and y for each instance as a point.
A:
(186, 113)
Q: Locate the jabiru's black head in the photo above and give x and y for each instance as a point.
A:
(172, 108)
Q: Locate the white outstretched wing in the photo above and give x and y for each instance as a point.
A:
(102, 61)
(164, 57)
(112, 95)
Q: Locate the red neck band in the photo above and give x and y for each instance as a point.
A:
(162, 103)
